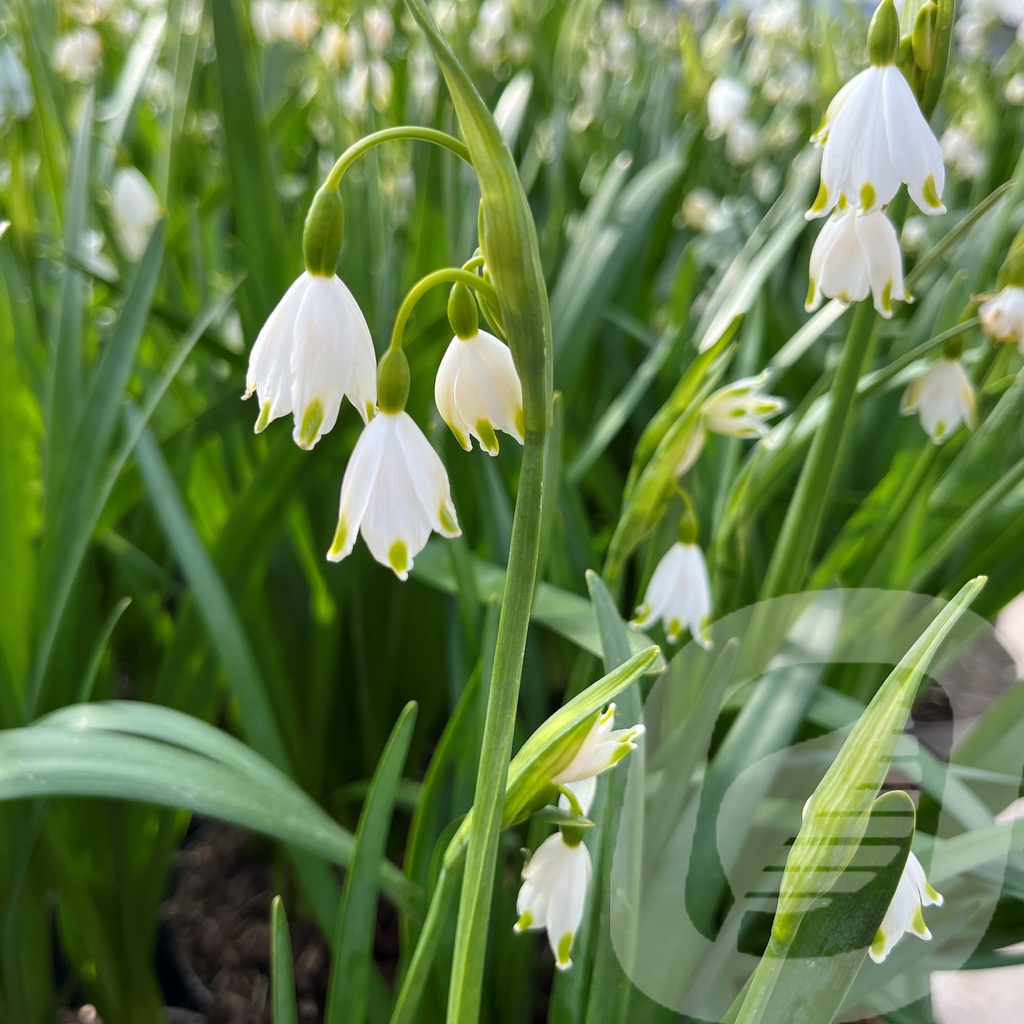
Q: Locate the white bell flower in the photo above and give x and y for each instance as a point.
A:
(741, 409)
(856, 253)
(728, 103)
(78, 55)
(679, 594)
(478, 392)
(943, 398)
(314, 349)
(554, 893)
(904, 913)
(134, 210)
(874, 137)
(379, 26)
(395, 491)
(1002, 315)
(602, 748)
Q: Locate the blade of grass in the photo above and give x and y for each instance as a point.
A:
(348, 993)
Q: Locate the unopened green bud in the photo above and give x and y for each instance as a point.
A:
(884, 34)
(923, 37)
(321, 237)
(393, 381)
(462, 313)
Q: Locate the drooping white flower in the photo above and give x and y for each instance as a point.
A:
(679, 595)
(1002, 315)
(134, 210)
(395, 491)
(740, 143)
(904, 913)
(742, 409)
(856, 253)
(298, 22)
(874, 137)
(602, 748)
(265, 16)
(728, 103)
(379, 27)
(78, 55)
(943, 398)
(478, 392)
(960, 148)
(314, 349)
(554, 893)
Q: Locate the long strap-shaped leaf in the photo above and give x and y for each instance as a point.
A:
(282, 970)
(348, 997)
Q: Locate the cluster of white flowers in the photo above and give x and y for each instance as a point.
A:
(553, 895)
(316, 349)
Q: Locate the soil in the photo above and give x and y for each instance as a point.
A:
(218, 931)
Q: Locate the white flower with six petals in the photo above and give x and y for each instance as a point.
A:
(679, 594)
(554, 893)
(478, 392)
(943, 398)
(395, 491)
(857, 253)
(904, 914)
(1002, 315)
(314, 349)
(874, 137)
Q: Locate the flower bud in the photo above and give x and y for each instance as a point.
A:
(462, 312)
(321, 237)
(923, 37)
(393, 381)
(884, 34)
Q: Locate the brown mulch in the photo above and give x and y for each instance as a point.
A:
(219, 922)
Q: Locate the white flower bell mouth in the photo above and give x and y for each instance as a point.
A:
(316, 347)
(395, 491)
(134, 210)
(1002, 315)
(314, 350)
(853, 255)
(478, 392)
(874, 136)
(679, 595)
(602, 748)
(943, 398)
(554, 893)
(904, 913)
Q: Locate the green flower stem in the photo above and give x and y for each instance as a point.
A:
(407, 132)
(508, 240)
(787, 570)
(447, 275)
(416, 976)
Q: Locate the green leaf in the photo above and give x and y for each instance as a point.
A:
(221, 618)
(254, 196)
(282, 970)
(134, 751)
(809, 978)
(348, 993)
(836, 814)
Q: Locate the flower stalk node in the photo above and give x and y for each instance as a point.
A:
(393, 381)
(462, 312)
(884, 35)
(322, 234)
